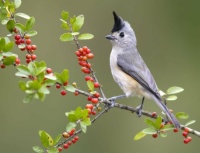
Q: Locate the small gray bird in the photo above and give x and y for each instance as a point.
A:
(129, 70)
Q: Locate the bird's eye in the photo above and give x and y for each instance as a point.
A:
(121, 34)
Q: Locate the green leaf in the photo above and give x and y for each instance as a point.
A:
(30, 23)
(32, 68)
(20, 27)
(149, 130)
(9, 60)
(44, 90)
(4, 21)
(9, 54)
(46, 139)
(65, 15)
(168, 127)
(56, 140)
(85, 36)
(10, 25)
(23, 15)
(90, 85)
(83, 127)
(158, 122)
(74, 33)
(73, 20)
(28, 98)
(70, 88)
(78, 112)
(21, 46)
(58, 77)
(49, 82)
(70, 126)
(171, 98)
(2, 43)
(150, 123)
(17, 3)
(86, 121)
(53, 150)
(174, 90)
(65, 75)
(190, 122)
(22, 85)
(182, 115)
(139, 135)
(38, 149)
(65, 26)
(31, 33)
(8, 46)
(78, 23)
(50, 77)
(72, 118)
(163, 134)
(23, 69)
(35, 85)
(66, 37)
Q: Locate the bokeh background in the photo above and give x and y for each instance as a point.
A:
(168, 35)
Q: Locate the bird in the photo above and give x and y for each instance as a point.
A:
(129, 69)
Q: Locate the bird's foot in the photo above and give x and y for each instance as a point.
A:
(139, 111)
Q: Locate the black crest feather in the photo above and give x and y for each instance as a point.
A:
(119, 23)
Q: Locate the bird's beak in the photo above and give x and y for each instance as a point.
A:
(110, 37)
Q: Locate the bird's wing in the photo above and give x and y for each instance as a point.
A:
(134, 66)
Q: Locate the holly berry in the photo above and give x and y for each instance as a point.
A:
(65, 135)
(175, 130)
(97, 95)
(184, 134)
(94, 100)
(28, 60)
(89, 98)
(186, 130)
(155, 135)
(78, 53)
(3, 66)
(76, 138)
(90, 106)
(17, 61)
(63, 92)
(57, 86)
(189, 139)
(49, 70)
(186, 140)
(28, 47)
(59, 149)
(96, 85)
(28, 41)
(76, 93)
(69, 143)
(65, 146)
(17, 37)
(65, 83)
(33, 57)
(73, 141)
(87, 78)
(154, 114)
(89, 111)
(94, 112)
(34, 47)
(73, 130)
(90, 55)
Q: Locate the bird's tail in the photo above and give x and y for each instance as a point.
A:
(164, 108)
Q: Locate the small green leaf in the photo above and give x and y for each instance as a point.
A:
(74, 33)
(158, 122)
(10, 25)
(2, 43)
(78, 23)
(70, 88)
(73, 20)
(31, 33)
(83, 127)
(58, 78)
(38, 149)
(23, 69)
(163, 134)
(52, 150)
(139, 135)
(85, 36)
(46, 139)
(171, 98)
(17, 3)
(22, 86)
(4, 21)
(50, 77)
(86, 121)
(30, 23)
(70, 126)
(56, 140)
(23, 15)
(72, 118)
(28, 98)
(149, 130)
(65, 26)
(32, 68)
(8, 46)
(49, 82)
(190, 122)
(9, 54)
(9, 60)
(65, 15)
(174, 90)
(182, 115)
(168, 127)
(65, 75)
(44, 90)
(150, 123)
(78, 112)
(90, 85)
(20, 27)
(66, 37)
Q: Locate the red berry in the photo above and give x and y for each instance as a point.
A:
(89, 65)
(76, 138)
(97, 95)
(94, 100)
(186, 140)
(49, 70)
(71, 133)
(184, 134)
(84, 58)
(3, 66)
(73, 130)
(87, 78)
(23, 49)
(21, 41)
(33, 56)
(15, 30)
(65, 135)
(154, 114)
(34, 47)
(76, 93)
(17, 37)
(73, 141)
(155, 135)
(84, 48)
(189, 139)
(65, 83)
(96, 85)
(90, 55)
(89, 98)
(28, 60)
(17, 42)
(59, 149)
(69, 143)
(89, 111)
(186, 130)
(57, 86)
(63, 92)
(90, 106)
(65, 146)
(88, 51)
(94, 112)
(28, 47)
(175, 130)
(28, 41)
(17, 61)
(80, 49)
(78, 53)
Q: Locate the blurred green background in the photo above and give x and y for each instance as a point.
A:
(168, 35)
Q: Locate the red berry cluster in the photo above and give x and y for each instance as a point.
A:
(90, 109)
(19, 40)
(83, 54)
(70, 142)
(185, 133)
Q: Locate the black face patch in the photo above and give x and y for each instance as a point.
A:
(119, 23)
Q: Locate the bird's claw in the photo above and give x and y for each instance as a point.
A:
(139, 111)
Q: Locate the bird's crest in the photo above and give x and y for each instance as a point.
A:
(119, 23)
